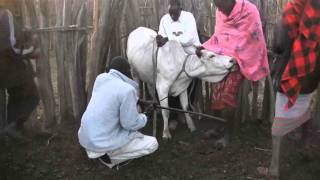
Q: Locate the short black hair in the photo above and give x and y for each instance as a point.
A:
(175, 3)
(120, 64)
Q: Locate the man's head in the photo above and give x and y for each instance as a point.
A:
(175, 9)
(225, 6)
(120, 64)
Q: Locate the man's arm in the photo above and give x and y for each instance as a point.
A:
(162, 37)
(130, 119)
(162, 30)
(187, 38)
(12, 37)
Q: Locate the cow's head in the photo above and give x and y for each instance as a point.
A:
(217, 62)
(212, 66)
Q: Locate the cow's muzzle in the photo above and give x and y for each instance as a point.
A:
(234, 67)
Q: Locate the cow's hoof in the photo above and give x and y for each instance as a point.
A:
(173, 125)
(166, 136)
(221, 143)
(211, 133)
(193, 129)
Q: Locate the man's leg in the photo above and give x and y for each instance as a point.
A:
(228, 114)
(305, 132)
(23, 100)
(138, 147)
(275, 160)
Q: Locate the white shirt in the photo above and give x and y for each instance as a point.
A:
(184, 30)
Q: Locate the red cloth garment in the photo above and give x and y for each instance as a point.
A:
(303, 20)
(225, 93)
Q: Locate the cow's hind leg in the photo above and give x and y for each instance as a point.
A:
(165, 116)
(184, 104)
(163, 98)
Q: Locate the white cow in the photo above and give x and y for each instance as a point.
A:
(171, 61)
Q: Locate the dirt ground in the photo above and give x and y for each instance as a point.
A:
(186, 156)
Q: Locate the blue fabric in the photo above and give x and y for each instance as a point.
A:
(111, 119)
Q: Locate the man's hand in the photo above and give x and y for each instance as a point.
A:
(198, 51)
(149, 107)
(161, 40)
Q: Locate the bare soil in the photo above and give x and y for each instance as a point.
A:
(186, 156)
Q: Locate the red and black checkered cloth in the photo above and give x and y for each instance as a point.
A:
(303, 19)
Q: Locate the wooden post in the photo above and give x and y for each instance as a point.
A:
(101, 41)
(3, 109)
(268, 107)
(208, 95)
(38, 19)
(77, 60)
(243, 103)
(60, 43)
(254, 104)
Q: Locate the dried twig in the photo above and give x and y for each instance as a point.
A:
(248, 177)
(265, 150)
(53, 136)
(61, 29)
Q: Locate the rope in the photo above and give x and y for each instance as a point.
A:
(154, 105)
(183, 69)
(193, 85)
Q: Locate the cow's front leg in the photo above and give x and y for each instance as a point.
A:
(184, 104)
(163, 91)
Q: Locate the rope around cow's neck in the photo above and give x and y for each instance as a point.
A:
(183, 69)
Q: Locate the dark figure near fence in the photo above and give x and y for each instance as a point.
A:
(16, 75)
(297, 40)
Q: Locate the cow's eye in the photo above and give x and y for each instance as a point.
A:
(212, 56)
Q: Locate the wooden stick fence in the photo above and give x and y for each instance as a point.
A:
(70, 60)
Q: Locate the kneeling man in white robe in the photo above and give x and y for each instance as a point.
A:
(110, 124)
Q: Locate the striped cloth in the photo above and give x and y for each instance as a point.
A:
(225, 93)
(285, 120)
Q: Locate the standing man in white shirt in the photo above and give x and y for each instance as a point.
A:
(178, 25)
(181, 26)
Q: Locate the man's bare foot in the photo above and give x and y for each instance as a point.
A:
(269, 174)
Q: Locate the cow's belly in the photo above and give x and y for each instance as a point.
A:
(144, 71)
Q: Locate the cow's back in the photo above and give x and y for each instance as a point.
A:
(140, 47)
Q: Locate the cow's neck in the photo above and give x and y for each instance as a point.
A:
(194, 67)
